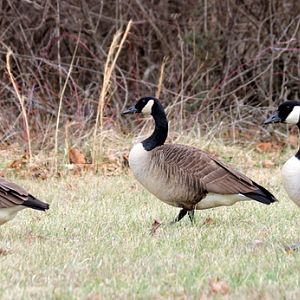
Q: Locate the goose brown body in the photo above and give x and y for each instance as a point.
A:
(14, 198)
(184, 176)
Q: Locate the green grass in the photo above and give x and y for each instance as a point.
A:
(94, 243)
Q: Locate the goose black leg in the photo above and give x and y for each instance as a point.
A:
(181, 214)
(191, 214)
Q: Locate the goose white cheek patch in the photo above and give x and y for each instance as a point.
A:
(148, 107)
(293, 117)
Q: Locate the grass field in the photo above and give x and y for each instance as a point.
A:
(94, 243)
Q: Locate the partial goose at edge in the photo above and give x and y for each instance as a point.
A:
(14, 198)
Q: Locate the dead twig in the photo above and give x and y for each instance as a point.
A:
(113, 54)
(21, 101)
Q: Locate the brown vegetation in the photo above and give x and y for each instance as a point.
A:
(210, 62)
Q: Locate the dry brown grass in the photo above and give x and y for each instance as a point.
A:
(20, 98)
(62, 92)
(110, 64)
(221, 68)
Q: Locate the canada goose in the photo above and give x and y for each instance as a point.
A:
(14, 198)
(185, 176)
(289, 112)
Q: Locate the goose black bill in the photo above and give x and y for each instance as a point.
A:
(130, 110)
(274, 118)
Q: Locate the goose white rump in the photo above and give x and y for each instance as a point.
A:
(8, 213)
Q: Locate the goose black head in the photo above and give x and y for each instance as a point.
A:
(287, 112)
(151, 106)
(145, 105)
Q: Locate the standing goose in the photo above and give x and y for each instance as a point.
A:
(289, 112)
(184, 176)
(14, 198)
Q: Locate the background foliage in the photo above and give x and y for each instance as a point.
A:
(225, 62)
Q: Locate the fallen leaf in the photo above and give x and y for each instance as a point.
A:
(217, 286)
(76, 157)
(209, 221)
(264, 147)
(267, 163)
(114, 162)
(3, 252)
(155, 226)
(39, 171)
(19, 163)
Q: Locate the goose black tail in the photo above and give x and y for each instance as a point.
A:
(261, 195)
(34, 203)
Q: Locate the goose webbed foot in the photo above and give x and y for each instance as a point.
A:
(182, 213)
(295, 247)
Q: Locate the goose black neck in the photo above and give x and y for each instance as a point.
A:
(298, 152)
(160, 132)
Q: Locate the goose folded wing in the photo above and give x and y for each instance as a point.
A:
(203, 170)
(11, 194)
